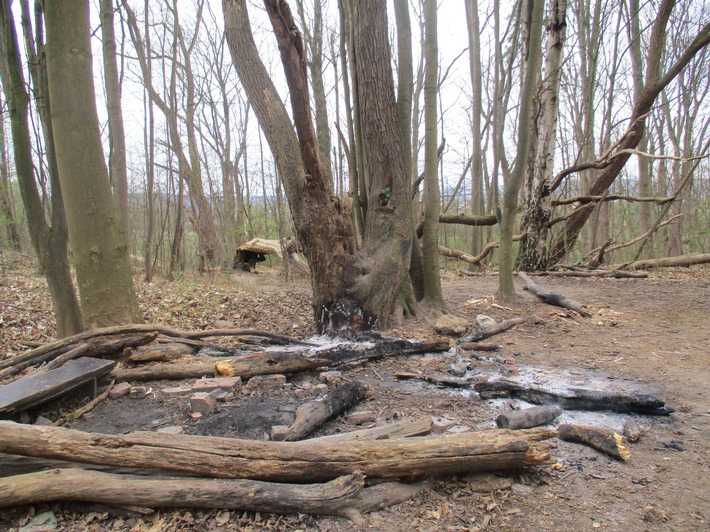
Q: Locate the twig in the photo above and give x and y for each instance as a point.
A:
(84, 409)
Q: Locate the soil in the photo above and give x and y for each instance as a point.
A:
(649, 335)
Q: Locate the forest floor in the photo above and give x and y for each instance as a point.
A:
(651, 334)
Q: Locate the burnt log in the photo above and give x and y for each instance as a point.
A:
(304, 461)
(599, 438)
(576, 398)
(161, 352)
(312, 414)
(245, 366)
(528, 417)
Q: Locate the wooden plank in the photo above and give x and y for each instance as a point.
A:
(39, 388)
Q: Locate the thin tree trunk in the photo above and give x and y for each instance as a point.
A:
(117, 140)
(433, 296)
(532, 19)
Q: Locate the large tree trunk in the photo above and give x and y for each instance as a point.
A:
(347, 291)
(100, 251)
(6, 208)
(50, 243)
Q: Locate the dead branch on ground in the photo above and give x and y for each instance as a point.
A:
(691, 259)
(557, 300)
(491, 331)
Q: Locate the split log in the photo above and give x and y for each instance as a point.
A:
(492, 331)
(304, 461)
(405, 428)
(161, 352)
(245, 366)
(528, 417)
(557, 300)
(142, 328)
(312, 414)
(576, 398)
(599, 438)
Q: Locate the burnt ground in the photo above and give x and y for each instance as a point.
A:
(648, 334)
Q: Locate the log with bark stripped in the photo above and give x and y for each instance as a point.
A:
(306, 461)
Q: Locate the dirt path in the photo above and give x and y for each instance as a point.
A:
(651, 333)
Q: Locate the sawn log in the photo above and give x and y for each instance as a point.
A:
(306, 461)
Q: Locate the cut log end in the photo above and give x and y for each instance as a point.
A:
(602, 439)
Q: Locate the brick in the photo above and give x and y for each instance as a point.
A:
(122, 389)
(203, 402)
(218, 383)
(176, 391)
(266, 382)
(138, 392)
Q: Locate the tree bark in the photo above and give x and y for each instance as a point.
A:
(49, 242)
(532, 20)
(537, 209)
(307, 461)
(118, 172)
(433, 296)
(100, 251)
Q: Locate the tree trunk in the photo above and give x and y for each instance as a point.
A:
(118, 173)
(478, 203)
(6, 209)
(100, 251)
(532, 19)
(50, 243)
(537, 209)
(347, 291)
(433, 296)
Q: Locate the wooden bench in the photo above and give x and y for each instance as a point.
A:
(38, 388)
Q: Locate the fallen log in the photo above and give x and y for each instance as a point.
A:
(437, 378)
(616, 274)
(304, 461)
(575, 398)
(492, 331)
(346, 495)
(632, 431)
(691, 259)
(405, 428)
(528, 417)
(351, 354)
(312, 414)
(245, 366)
(161, 352)
(599, 438)
(63, 343)
(557, 300)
